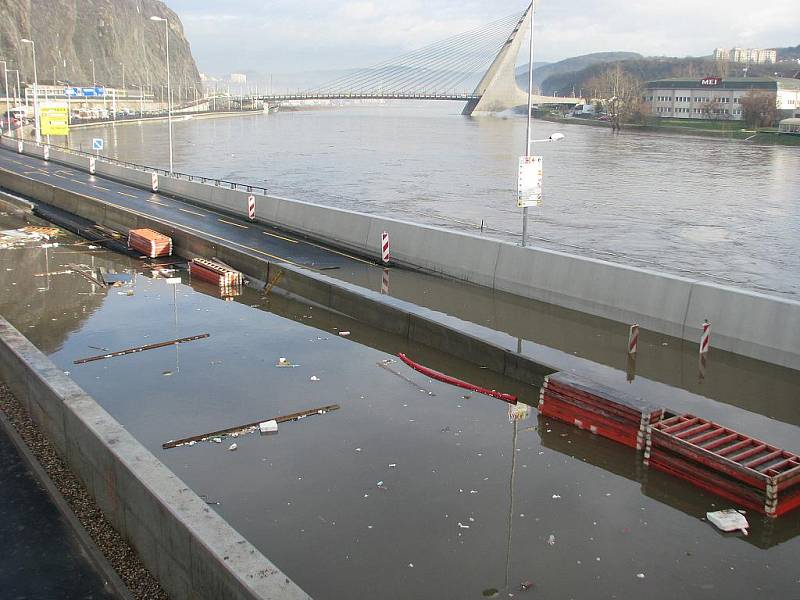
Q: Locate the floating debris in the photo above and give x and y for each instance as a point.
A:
(81, 361)
(232, 447)
(248, 427)
(728, 520)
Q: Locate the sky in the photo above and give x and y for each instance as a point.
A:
(293, 36)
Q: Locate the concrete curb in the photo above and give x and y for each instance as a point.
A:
(194, 553)
(94, 553)
(744, 322)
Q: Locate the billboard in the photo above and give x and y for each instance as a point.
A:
(54, 119)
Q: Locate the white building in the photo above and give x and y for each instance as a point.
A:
(747, 55)
(715, 98)
(238, 78)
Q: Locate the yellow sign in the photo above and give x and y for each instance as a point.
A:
(54, 119)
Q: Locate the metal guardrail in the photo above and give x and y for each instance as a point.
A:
(231, 185)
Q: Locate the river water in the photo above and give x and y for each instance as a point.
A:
(720, 210)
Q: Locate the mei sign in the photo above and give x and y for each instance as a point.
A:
(710, 81)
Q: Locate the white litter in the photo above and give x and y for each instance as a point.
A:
(268, 426)
(232, 447)
(640, 575)
(462, 526)
(314, 378)
(729, 520)
(556, 497)
(551, 540)
(344, 333)
(216, 440)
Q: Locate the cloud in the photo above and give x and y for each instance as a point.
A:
(291, 36)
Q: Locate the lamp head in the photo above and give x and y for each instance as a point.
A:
(26, 41)
(557, 136)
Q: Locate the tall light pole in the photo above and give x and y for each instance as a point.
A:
(529, 131)
(5, 75)
(94, 79)
(35, 92)
(123, 76)
(169, 87)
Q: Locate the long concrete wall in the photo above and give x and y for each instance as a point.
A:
(192, 551)
(747, 323)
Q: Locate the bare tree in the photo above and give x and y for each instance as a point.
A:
(622, 93)
(759, 108)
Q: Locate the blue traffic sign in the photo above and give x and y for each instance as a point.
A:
(92, 92)
(97, 143)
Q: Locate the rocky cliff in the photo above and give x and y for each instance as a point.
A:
(71, 35)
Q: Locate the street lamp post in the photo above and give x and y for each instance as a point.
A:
(123, 76)
(529, 130)
(94, 79)
(5, 75)
(169, 87)
(35, 92)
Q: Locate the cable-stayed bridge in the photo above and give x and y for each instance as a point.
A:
(445, 70)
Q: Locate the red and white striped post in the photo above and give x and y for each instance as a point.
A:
(385, 257)
(92, 165)
(705, 339)
(633, 339)
(251, 207)
(154, 181)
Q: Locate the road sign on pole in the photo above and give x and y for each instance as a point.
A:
(54, 119)
(251, 207)
(97, 144)
(529, 183)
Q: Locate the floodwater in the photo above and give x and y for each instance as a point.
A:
(716, 209)
(413, 489)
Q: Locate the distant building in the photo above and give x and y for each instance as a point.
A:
(238, 78)
(759, 56)
(716, 98)
(791, 125)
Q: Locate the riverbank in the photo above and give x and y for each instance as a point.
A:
(728, 131)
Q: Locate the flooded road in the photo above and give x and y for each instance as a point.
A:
(413, 489)
(716, 209)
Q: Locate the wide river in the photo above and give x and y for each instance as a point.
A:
(715, 209)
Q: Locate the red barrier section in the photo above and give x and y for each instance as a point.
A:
(150, 243)
(611, 413)
(727, 463)
(457, 382)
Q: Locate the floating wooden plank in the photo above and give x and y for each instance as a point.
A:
(250, 426)
(192, 338)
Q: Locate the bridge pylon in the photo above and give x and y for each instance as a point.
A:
(498, 90)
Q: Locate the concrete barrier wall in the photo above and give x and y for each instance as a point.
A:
(193, 552)
(659, 302)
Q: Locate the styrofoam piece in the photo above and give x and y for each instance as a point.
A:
(729, 520)
(268, 426)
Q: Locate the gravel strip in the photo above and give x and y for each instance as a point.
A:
(122, 557)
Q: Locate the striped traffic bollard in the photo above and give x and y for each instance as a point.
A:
(154, 181)
(705, 339)
(20, 146)
(92, 165)
(385, 257)
(46, 153)
(633, 339)
(251, 207)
